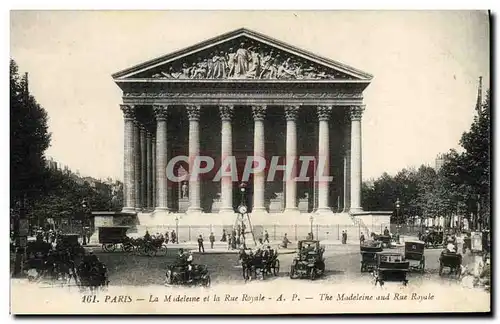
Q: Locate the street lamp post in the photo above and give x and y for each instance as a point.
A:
(84, 211)
(311, 219)
(398, 206)
(177, 229)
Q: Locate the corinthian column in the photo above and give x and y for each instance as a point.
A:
(128, 159)
(226, 114)
(161, 157)
(144, 167)
(291, 113)
(149, 178)
(193, 112)
(137, 166)
(153, 176)
(323, 171)
(259, 113)
(356, 113)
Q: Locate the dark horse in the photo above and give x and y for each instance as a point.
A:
(92, 276)
(251, 262)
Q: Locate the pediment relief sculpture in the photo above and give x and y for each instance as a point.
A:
(246, 60)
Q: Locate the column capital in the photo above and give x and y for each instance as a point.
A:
(356, 112)
(142, 127)
(259, 112)
(226, 112)
(324, 112)
(291, 112)
(160, 112)
(193, 112)
(128, 111)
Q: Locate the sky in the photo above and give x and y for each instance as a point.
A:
(426, 67)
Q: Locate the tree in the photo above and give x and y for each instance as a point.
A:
(29, 138)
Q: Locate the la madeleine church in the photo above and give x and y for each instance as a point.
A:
(242, 94)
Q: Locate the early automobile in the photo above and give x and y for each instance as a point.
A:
(391, 266)
(368, 252)
(433, 238)
(452, 261)
(414, 254)
(113, 236)
(182, 276)
(309, 261)
(385, 240)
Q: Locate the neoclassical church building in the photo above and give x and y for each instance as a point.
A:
(243, 94)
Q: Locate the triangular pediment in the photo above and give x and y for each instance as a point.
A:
(242, 55)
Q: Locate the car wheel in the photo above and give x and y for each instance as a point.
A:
(312, 274)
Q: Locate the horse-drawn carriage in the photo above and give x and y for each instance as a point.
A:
(112, 237)
(180, 275)
(414, 254)
(92, 274)
(70, 243)
(309, 260)
(262, 261)
(452, 261)
(391, 266)
(368, 252)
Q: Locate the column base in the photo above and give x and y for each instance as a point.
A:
(259, 210)
(324, 210)
(293, 210)
(194, 210)
(355, 210)
(130, 210)
(162, 209)
(138, 209)
(226, 210)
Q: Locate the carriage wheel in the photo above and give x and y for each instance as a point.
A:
(405, 282)
(127, 247)
(109, 247)
(276, 268)
(151, 252)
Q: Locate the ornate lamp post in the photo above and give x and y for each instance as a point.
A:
(398, 206)
(177, 229)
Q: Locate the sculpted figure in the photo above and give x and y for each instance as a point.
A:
(242, 60)
(184, 190)
(231, 62)
(285, 71)
(254, 68)
(219, 66)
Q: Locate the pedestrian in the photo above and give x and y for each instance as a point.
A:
(201, 248)
(166, 237)
(174, 237)
(266, 236)
(344, 237)
(362, 238)
(212, 240)
(224, 236)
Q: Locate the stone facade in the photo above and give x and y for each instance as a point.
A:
(287, 112)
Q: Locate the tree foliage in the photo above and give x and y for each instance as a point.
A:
(461, 186)
(29, 138)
